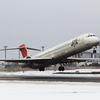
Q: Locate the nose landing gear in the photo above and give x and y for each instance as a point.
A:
(94, 51)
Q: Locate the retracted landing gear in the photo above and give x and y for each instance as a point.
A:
(61, 68)
(41, 68)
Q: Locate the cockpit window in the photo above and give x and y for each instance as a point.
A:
(91, 35)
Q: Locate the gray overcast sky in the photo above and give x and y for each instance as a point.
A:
(46, 22)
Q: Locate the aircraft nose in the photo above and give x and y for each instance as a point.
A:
(95, 41)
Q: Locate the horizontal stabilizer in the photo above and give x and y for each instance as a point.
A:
(21, 48)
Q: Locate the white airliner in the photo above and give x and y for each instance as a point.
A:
(58, 54)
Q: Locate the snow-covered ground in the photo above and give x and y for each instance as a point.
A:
(46, 90)
(30, 90)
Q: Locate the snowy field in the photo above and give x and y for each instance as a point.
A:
(30, 90)
(44, 90)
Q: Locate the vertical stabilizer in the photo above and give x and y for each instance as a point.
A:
(23, 50)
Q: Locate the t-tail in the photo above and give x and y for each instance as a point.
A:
(24, 51)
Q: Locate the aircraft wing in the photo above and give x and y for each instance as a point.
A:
(69, 60)
(35, 60)
(43, 60)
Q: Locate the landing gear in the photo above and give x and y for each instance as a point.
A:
(61, 68)
(41, 68)
(94, 51)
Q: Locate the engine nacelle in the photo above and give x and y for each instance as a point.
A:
(30, 65)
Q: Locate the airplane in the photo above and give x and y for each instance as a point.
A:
(59, 54)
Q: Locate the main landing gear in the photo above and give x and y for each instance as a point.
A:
(41, 68)
(61, 68)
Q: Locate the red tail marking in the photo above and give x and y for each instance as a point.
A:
(23, 50)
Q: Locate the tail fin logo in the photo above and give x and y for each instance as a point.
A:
(23, 50)
(74, 42)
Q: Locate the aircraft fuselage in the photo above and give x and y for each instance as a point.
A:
(69, 48)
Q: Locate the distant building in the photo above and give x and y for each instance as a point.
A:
(2, 65)
(88, 55)
(11, 65)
